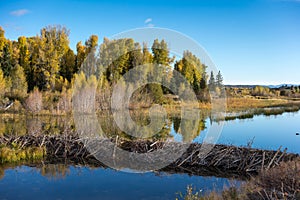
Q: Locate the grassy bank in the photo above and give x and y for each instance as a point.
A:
(239, 104)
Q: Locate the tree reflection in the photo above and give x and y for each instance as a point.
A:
(189, 129)
(1, 173)
(34, 126)
(55, 125)
(55, 171)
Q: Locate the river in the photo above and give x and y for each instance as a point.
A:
(65, 181)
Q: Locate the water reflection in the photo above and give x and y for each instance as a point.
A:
(14, 124)
(77, 182)
(274, 123)
(54, 125)
(55, 171)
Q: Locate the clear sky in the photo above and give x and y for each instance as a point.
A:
(250, 41)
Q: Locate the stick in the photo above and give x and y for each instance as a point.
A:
(273, 158)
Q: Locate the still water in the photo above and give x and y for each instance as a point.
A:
(264, 132)
(85, 183)
(79, 182)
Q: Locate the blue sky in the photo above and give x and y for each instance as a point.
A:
(250, 41)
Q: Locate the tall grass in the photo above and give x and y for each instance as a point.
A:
(281, 182)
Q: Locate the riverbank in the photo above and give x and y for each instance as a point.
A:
(280, 182)
(244, 103)
(230, 104)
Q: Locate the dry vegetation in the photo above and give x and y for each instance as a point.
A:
(280, 182)
(236, 104)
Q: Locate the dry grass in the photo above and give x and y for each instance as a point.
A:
(280, 182)
(234, 104)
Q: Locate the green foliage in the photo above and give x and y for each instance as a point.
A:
(18, 83)
(219, 80)
(156, 92)
(54, 43)
(67, 65)
(6, 58)
(46, 62)
(193, 70)
(161, 57)
(161, 53)
(260, 91)
(212, 82)
(117, 56)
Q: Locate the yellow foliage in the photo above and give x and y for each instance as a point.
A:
(2, 83)
(15, 154)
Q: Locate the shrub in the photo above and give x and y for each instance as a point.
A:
(34, 102)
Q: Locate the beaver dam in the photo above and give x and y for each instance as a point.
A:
(221, 160)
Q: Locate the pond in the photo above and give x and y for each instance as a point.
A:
(60, 181)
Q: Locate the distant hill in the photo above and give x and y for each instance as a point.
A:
(241, 86)
(269, 86)
(279, 86)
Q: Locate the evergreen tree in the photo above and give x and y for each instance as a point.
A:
(161, 57)
(2, 42)
(203, 83)
(67, 65)
(160, 53)
(212, 82)
(219, 80)
(115, 56)
(33, 71)
(6, 59)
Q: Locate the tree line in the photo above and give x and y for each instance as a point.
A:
(45, 63)
(258, 91)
